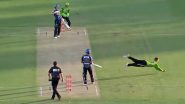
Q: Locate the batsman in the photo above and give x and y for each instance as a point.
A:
(87, 62)
(57, 22)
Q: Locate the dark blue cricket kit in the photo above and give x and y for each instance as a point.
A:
(55, 73)
(57, 24)
(87, 61)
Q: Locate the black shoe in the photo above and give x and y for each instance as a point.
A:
(85, 82)
(59, 97)
(52, 98)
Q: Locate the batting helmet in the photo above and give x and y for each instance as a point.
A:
(87, 51)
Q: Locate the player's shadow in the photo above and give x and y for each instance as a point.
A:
(80, 83)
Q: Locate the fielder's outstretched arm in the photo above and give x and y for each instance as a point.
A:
(159, 69)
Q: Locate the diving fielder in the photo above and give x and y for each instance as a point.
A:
(144, 63)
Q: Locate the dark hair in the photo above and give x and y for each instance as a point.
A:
(54, 63)
(156, 59)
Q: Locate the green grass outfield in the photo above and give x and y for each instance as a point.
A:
(143, 28)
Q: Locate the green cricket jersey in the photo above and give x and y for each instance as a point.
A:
(153, 64)
(65, 12)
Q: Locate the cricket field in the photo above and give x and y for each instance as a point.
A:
(143, 28)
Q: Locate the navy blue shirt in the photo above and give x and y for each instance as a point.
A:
(86, 60)
(55, 72)
(56, 15)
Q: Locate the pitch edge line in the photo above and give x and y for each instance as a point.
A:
(85, 32)
(38, 30)
(97, 94)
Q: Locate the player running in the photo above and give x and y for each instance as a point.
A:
(87, 61)
(144, 63)
(54, 75)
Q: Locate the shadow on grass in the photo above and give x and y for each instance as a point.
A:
(126, 76)
(17, 93)
(20, 42)
(136, 44)
(33, 92)
(43, 101)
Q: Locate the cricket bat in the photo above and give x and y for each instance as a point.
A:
(97, 65)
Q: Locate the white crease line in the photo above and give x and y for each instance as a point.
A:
(97, 94)
(85, 32)
(38, 30)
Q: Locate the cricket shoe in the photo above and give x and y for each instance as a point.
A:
(69, 29)
(58, 36)
(59, 97)
(55, 37)
(86, 86)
